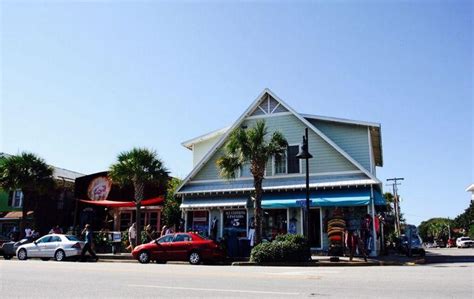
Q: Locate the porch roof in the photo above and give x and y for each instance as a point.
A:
(276, 184)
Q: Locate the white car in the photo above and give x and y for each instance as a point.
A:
(464, 242)
(54, 246)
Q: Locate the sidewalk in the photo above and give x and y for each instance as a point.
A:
(317, 261)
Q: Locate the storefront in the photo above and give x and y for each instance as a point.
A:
(107, 206)
(231, 218)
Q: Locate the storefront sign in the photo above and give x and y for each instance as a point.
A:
(99, 188)
(235, 219)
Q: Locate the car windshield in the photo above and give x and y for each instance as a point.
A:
(71, 238)
(465, 239)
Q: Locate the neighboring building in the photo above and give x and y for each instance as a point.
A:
(56, 208)
(342, 177)
(108, 206)
(471, 189)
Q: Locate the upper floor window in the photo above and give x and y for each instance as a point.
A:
(16, 199)
(287, 162)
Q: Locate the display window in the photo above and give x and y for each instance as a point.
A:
(235, 223)
(274, 223)
(198, 221)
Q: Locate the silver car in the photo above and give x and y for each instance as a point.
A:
(54, 246)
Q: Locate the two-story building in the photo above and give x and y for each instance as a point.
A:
(342, 177)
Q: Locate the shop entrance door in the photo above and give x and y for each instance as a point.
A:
(315, 228)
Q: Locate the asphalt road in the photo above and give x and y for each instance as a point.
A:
(39, 279)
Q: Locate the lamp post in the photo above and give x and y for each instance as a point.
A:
(304, 154)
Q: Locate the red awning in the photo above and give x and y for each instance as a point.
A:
(121, 204)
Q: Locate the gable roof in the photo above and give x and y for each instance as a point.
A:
(247, 113)
(375, 132)
(189, 143)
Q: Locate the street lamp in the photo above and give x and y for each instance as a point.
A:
(304, 154)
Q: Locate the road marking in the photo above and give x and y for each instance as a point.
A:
(212, 290)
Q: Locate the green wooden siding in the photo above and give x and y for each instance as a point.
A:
(353, 139)
(326, 158)
(4, 207)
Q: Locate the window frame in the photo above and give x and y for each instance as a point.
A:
(286, 166)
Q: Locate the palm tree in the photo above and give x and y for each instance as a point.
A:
(251, 147)
(138, 167)
(29, 173)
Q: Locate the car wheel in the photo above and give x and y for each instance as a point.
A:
(144, 257)
(59, 255)
(45, 259)
(22, 255)
(8, 257)
(194, 258)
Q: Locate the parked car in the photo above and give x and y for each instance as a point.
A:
(439, 244)
(416, 245)
(55, 246)
(179, 247)
(464, 242)
(3, 239)
(9, 248)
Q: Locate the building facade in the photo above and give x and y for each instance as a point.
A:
(54, 208)
(342, 176)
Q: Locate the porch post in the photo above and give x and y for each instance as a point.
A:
(374, 233)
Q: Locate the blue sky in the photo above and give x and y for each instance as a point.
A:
(83, 81)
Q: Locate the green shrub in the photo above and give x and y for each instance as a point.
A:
(285, 248)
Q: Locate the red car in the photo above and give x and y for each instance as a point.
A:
(179, 247)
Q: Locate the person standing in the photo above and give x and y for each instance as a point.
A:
(132, 236)
(87, 232)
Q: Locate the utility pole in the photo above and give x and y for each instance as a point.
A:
(396, 203)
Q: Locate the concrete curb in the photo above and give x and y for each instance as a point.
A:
(333, 264)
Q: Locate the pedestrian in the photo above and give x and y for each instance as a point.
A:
(28, 232)
(87, 232)
(149, 233)
(163, 230)
(169, 230)
(132, 236)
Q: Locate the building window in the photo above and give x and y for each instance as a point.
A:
(280, 163)
(287, 162)
(293, 162)
(198, 221)
(16, 199)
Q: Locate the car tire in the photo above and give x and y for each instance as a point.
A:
(59, 255)
(194, 258)
(144, 257)
(8, 257)
(22, 255)
(45, 259)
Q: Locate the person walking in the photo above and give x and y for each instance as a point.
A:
(132, 236)
(87, 232)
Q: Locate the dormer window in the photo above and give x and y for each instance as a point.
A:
(287, 162)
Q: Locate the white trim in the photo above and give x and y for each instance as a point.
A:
(293, 187)
(302, 221)
(221, 224)
(341, 120)
(268, 115)
(201, 138)
(470, 188)
(371, 151)
(279, 176)
(265, 112)
(287, 220)
(209, 222)
(275, 108)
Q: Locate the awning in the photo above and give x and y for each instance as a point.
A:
(16, 215)
(121, 204)
(214, 203)
(324, 198)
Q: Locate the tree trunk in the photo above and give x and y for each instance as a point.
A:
(258, 209)
(139, 188)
